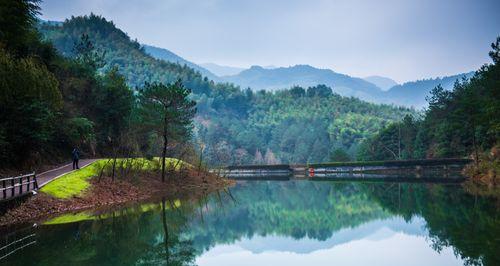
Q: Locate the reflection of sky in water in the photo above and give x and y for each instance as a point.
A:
(380, 242)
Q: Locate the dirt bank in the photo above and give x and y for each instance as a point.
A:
(109, 193)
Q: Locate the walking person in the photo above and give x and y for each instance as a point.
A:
(76, 156)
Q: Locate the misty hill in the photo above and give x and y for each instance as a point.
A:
(128, 55)
(381, 82)
(413, 93)
(234, 121)
(259, 78)
(220, 70)
(169, 56)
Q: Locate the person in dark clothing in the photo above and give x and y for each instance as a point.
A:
(76, 156)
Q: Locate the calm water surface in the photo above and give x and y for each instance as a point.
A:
(277, 223)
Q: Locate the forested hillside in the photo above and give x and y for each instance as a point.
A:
(241, 126)
(259, 78)
(382, 82)
(460, 122)
(166, 55)
(373, 89)
(414, 93)
(296, 125)
(220, 70)
(120, 51)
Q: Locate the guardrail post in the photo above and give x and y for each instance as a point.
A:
(21, 185)
(35, 185)
(28, 185)
(12, 188)
(4, 185)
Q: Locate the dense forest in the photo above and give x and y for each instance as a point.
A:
(457, 123)
(233, 125)
(50, 103)
(78, 83)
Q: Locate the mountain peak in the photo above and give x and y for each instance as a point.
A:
(260, 78)
(256, 67)
(169, 56)
(384, 83)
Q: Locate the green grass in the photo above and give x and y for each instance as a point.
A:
(75, 183)
(87, 215)
(70, 218)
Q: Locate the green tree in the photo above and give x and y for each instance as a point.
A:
(167, 110)
(29, 105)
(113, 102)
(17, 20)
(319, 90)
(88, 55)
(340, 155)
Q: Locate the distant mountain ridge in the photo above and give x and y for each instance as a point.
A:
(413, 93)
(221, 70)
(374, 89)
(137, 63)
(383, 83)
(169, 56)
(259, 78)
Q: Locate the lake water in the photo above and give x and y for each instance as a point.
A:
(276, 223)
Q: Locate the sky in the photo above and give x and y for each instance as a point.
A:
(400, 39)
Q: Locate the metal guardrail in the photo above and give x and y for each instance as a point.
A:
(12, 187)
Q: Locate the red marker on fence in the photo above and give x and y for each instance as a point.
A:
(311, 172)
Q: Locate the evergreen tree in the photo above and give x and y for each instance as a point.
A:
(168, 111)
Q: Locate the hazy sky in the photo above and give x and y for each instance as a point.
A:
(400, 39)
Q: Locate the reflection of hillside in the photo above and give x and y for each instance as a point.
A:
(292, 217)
(374, 230)
(296, 209)
(123, 237)
(471, 225)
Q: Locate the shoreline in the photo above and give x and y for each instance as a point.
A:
(108, 194)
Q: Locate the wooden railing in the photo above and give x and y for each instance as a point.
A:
(12, 187)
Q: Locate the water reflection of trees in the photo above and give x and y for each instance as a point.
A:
(471, 225)
(147, 235)
(173, 233)
(297, 209)
(171, 250)
(318, 209)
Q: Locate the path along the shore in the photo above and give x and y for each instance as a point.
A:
(48, 176)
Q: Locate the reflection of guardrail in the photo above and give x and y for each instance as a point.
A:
(395, 163)
(12, 187)
(425, 167)
(16, 241)
(254, 173)
(411, 178)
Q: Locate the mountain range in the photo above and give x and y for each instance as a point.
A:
(375, 89)
(220, 70)
(383, 83)
(413, 93)
(167, 55)
(259, 78)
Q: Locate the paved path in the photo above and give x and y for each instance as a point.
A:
(47, 176)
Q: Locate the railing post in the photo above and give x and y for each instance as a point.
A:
(4, 189)
(21, 185)
(12, 188)
(28, 185)
(35, 185)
